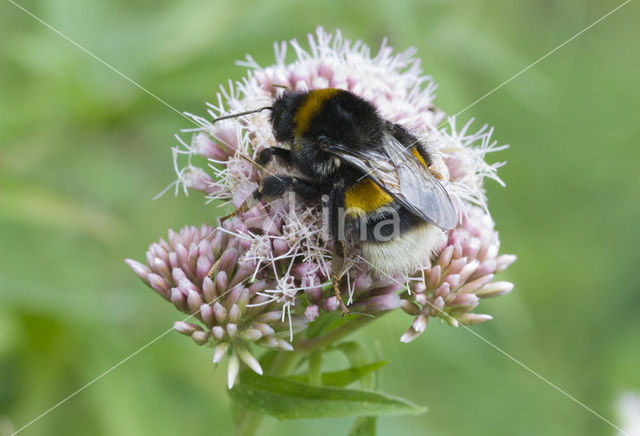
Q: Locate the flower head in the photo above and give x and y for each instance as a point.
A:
(199, 270)
(264, 273)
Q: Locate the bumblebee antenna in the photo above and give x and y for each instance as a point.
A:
(239, 114)
(275, 85)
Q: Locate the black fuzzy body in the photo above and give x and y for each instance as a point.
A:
(341, 118)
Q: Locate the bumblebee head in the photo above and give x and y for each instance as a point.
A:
(283, 112)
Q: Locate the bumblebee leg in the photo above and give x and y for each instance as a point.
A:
(238, 211)
(336, 212)
(277, 186)
(248, 203)
(337, 269)
(336, 228)
(266, 154)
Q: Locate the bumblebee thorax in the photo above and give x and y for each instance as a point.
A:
(312, 160)
(305, 120)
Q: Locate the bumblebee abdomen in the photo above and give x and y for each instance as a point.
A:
(378, 217)
(417, 154)
(365, 197)
(409, 250)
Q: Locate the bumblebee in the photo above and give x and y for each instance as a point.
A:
(377, 175)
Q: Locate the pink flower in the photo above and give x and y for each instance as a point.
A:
(264, 274)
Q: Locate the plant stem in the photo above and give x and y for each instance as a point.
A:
(335, 335)
(248, 421)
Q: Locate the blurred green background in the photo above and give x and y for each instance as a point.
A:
(83, 151)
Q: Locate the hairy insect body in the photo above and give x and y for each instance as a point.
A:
(375, 173)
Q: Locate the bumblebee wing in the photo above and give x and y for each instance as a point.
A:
(399, 172)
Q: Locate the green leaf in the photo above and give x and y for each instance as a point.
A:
(315, 365)
(364, 426)
(288, 399)
(343, 377)
(358, 356)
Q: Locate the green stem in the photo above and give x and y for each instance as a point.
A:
(248, 421)
(335, 335)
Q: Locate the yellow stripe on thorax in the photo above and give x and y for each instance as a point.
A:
(310, 106)
(365, 196)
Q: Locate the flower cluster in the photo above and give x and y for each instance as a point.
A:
(263, 274)
(460, 276)
(201, 272)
